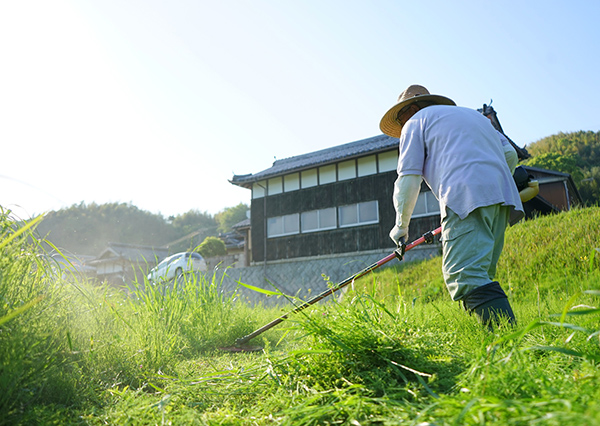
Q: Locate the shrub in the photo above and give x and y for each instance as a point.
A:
(212, 246)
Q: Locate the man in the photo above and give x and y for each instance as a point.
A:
(468, 167)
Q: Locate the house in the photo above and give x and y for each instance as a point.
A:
(333, 201)
(238, 242)
(557, 192)
(120, 262)
(339, 200)
(72, 265)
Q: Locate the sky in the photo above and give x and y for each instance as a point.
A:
(160, 103)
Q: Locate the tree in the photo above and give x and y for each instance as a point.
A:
(211, 247)
(230, 216)
(557, 162)
(194, 221)
(87, 229)
(590, 185)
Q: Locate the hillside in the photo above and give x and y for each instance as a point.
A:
(538, 254)
(86, 229)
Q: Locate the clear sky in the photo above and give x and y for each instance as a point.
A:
(159, 103)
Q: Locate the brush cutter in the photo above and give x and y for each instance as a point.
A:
(241, 343)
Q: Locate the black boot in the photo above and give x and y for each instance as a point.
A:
(489, 303)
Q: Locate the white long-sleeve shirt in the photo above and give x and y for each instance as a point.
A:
(461, 158)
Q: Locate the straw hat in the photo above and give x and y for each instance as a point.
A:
(415, 93)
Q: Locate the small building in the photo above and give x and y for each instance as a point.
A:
(557, 192)
(241, 242)
(121, 262)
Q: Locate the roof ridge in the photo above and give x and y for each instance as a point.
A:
(321, 157)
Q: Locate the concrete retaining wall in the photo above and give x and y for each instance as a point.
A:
(307, 277)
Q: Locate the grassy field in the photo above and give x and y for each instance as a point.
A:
(395, 350)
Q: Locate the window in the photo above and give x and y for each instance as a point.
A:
(275, 186)
(348, 215)
(323, 219)
(388, 161)
(327, 174)
(427, 205)
(193, 255)
(283, 225)
(291, 182)
(359, 214)
(258, 189)
(318, 220)
(367, 212)
(344, 170)
(308, 178)
(347, 170)
(367, 165)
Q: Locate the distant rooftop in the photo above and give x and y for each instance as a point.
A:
(131, 252)
(319, 158)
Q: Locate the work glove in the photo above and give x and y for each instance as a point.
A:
(533, 189)
(406, 192)
(401, 248)
(398, 235)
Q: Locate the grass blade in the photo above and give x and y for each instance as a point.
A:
(32, 223)
(555, 349)
(261, 290)
(12, 314)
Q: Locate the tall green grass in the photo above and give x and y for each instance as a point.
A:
(32, 354)
(66, 341)
(394, 350)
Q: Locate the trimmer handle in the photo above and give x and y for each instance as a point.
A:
(399, 252)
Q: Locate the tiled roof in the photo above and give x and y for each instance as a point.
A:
(243, 224)
(131, 252)
(319, 158)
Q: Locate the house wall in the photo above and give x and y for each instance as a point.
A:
(556, 188)
(555, 193)
(340, 240)
(110, 268)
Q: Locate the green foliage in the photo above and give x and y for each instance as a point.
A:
(589, 188)
(212, 246)
(230, 216)
(195, 221)
(88, 228)
(586, 144)
(558, 162)
(577, 153)
(65, 344)
(394, 350)
(33, 362)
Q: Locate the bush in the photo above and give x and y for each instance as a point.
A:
(211, 247)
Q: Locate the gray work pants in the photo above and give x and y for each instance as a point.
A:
(471, 247)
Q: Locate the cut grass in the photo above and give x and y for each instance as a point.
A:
(395, 350)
